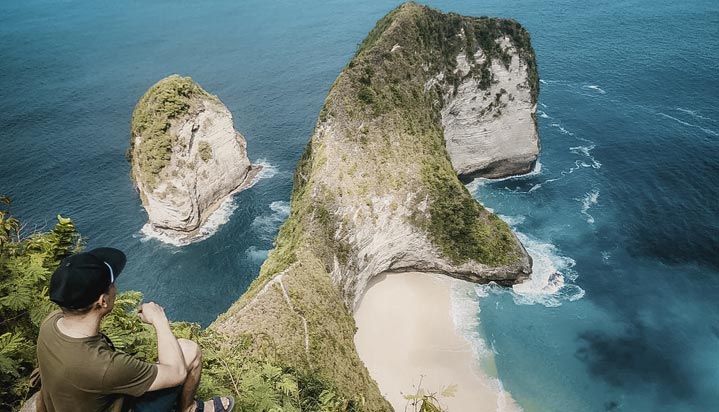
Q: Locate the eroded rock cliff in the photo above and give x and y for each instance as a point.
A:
(376, 189)
(186, 156)
(492, 133)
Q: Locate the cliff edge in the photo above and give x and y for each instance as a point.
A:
(377, 187)
(186, 157)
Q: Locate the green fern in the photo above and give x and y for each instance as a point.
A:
(26, 263)
(259, 384)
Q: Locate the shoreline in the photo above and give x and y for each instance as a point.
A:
(406, 335)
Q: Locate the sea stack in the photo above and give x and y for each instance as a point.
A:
(186, 157)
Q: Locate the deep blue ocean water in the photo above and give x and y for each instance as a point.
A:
(622, 217)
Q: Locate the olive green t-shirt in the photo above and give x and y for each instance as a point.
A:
(87, 374)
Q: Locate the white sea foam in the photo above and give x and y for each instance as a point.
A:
(606, 255)
(554, 81)
(512, 220)
(481, 181)
(595, 88)
(465, 311)
(256, 255)
(505, 402)
(578, 164)
(542, 81)
(586, 151)
(543, 114)
(465, 315)
(268, 171)
(147, 233)
(704, 129)
(695, 114)
(590, 199)
(218, 218)
(266, 225)
(550, 273)
(562, 129)
(551, 282)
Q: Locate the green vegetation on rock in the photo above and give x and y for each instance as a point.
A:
(461, 226)
(170, 98)
(26, 263)
(379, 134)
(205, 151)
(246, 367)
(287, 343)
(383, 89)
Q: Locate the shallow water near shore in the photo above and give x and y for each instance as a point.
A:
(621, 219)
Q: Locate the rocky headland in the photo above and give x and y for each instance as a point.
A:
(427, 97)
(186, 157)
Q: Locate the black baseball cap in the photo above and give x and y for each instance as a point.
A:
(81, 278)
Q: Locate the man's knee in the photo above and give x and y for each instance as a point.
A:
(192, 353)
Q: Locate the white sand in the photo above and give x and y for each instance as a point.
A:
(406, 332)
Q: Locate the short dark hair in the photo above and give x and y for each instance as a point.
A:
(78, 312)
(82, 311)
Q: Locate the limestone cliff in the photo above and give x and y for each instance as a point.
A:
(492, 133)
(186, 156)
(376, 191)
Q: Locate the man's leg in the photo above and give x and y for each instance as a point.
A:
(193, 361)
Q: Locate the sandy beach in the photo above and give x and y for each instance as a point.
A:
(406, 333)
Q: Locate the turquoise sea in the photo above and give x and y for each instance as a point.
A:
(622, 217)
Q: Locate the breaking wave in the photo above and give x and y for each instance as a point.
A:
(590, 199)
(481, 181)
(266, 225)
(586, 151)
(551, 282)
(218, 218)
(465, 312)
(255, 255)
(268, 171)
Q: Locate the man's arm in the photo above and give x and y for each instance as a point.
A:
(171, 369)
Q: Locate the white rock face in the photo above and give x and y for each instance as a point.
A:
(389, 243)
(209, 163)
(491, 133)
(379, 233)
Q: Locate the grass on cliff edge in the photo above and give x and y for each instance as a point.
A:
(259, 382)
(168, 99)
(387, 89)
(384, 90)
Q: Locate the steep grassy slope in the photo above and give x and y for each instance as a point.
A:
(374, 191)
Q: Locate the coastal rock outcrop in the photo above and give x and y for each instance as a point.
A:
(377, 189)
(186, 156)
(489, 121)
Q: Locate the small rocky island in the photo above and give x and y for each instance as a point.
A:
(186, 156)
(428, 97)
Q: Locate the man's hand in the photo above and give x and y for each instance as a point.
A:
(152, 313)
(171, 365)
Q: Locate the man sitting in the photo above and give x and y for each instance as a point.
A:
(79, 367)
